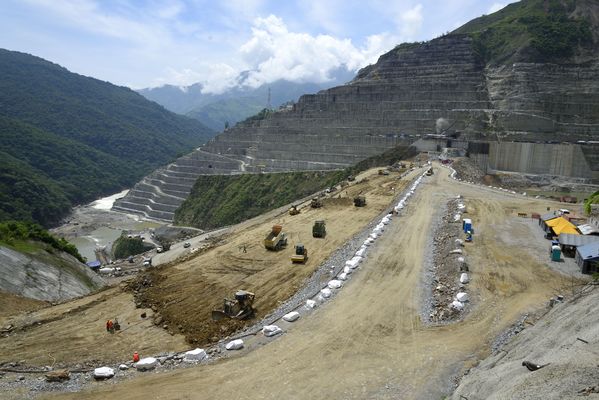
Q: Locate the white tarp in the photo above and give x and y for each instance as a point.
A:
(464, 278)
(457, 305)
(234, 344)
(195, 355)
(310, 304)
(271, 330)
(335, 284)
(291, 317)
(146, 364)
(326, 292)
(463, 297)
(103, 373)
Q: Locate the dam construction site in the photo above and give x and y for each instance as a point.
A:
(428, 230)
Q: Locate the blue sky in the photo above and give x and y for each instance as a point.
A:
(143, 43)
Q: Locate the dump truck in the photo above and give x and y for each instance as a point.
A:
(276, 239)
(316, 203)
(319, 229)
(359, 201)
(301, 254)
(293, 210)
(238, 308)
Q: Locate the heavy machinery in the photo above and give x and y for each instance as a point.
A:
(383, 172)
(316, 203)
(359, 201)
(276, 239)
(319, 230)
(293, 210)
(239, 308)
(351, 178)
(429, 172)
(301, 254)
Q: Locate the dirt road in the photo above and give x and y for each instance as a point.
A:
(369, 341)
(184, 293)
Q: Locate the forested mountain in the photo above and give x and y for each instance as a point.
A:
(238, 103)
(68, 139)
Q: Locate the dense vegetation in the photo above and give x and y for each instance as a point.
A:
(13, 231)
(533, 30)
(125, 246)
(219, 200)
(592, 199)
(68, 139)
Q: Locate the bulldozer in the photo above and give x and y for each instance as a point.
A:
(293, 210)
(359, 201)
(301, 254)
(239, 308)
(316, 203)
(319, 230)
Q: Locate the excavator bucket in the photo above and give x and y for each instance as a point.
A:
(218, 315)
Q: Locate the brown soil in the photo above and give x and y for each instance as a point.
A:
(184, 293)
(11, 304)
(369, 341)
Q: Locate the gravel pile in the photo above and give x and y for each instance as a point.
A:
(467, 170)
(442, 276)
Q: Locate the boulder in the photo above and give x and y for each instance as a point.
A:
(236, 344)
(271, 330)
(195, 355)
(103, 373)
(335, 284)
(146, 364)
(291, 317)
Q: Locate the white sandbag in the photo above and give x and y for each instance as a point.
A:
(146, 364)
(335, 284)
(457, 217)
(456, 251)
(360, 252)
(291, 317)
(195, 355)
(342, 276)
(374, 235)
(326, 293)
(103, 373)
(459, 242)
(106, 270)
(123, 367)
(234, 344)
(347, 270)
(461, 260)
(457, 305)
(310, 304)
(271, 330)
(386, 220)
(367, 242)
(464, 278)
(462, 296)
(461, 206)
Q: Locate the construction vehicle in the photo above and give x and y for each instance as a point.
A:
(319, 230)
(429, 172)
(351, 178)
(359, 201)
(293, 210)
(276, 239)
(383, 172)
(316, 203)
(238, 308)
(301, 254)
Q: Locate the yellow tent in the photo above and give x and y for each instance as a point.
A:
(561, 225)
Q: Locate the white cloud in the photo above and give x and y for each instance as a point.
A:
(411, 22)
(496, 7)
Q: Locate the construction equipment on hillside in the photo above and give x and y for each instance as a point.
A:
(359, 201)
(316, 203)
(351, 178)
(293, 210)
(301, 254)
(429, 172)
(276, 239)
(383, 172)
(238, 308)
(319, 230)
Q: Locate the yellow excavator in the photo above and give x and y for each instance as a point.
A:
(238, 308)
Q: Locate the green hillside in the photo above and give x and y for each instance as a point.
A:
(533, 31)
(72, 138)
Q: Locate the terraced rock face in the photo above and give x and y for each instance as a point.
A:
(393, 102)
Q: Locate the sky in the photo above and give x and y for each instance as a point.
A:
(149, 43)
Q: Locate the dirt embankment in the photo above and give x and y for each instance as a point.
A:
(564, 341)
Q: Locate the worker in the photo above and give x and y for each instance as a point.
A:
(117, 326)
(110, 326)
(107, 325)
(244, 249)
(135, 357)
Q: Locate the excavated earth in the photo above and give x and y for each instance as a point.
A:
(368, 341)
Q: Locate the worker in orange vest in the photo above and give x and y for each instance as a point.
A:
(135, 357)
(107, 325)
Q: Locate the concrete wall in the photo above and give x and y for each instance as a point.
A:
(539, 159)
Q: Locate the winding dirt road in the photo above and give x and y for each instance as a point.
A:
(369, 342)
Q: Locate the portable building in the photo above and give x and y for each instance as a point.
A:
(587, 258)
